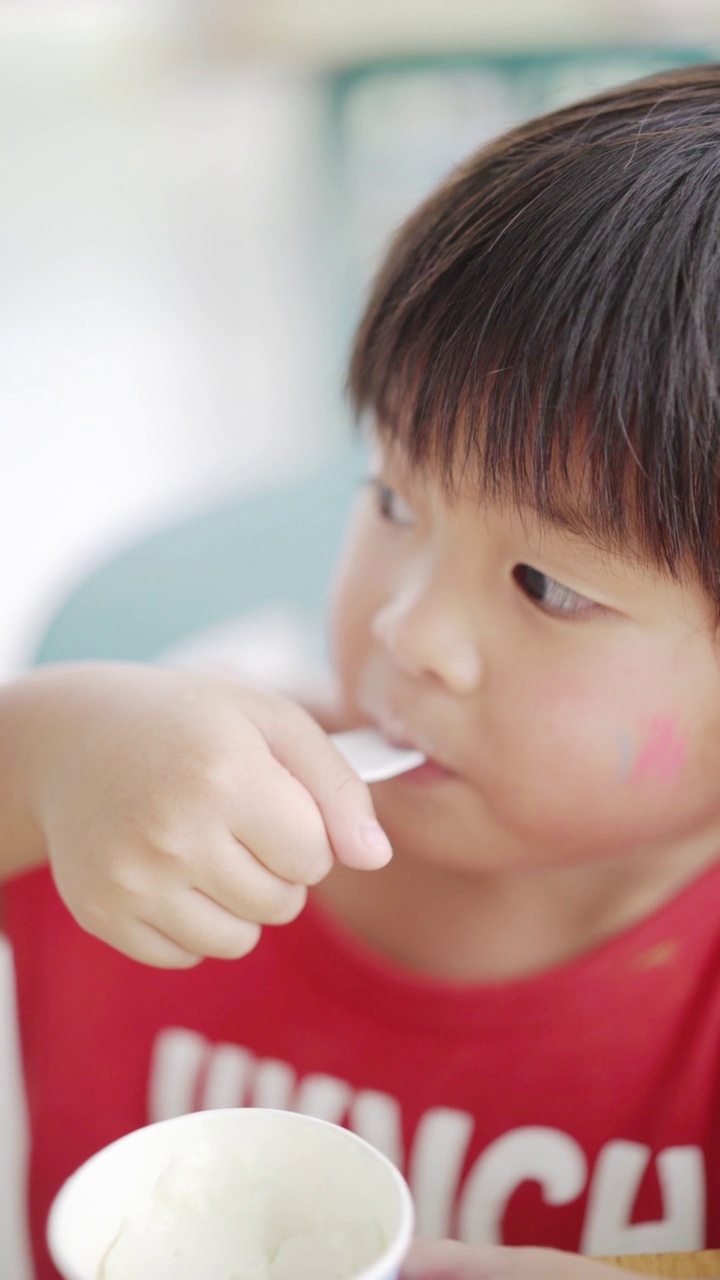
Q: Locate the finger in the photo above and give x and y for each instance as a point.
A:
(201, 927)
(276, 818)
(142, 941)
(446, 1260)
(234, 878)
(344, 801)
(554, 1264)
(450, 1260)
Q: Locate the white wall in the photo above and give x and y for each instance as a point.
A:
(160, 336)
(159, 312)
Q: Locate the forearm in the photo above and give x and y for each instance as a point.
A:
(43, 716)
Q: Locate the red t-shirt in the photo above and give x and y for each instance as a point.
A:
(578, 1108)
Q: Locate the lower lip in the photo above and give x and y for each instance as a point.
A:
(427, 773)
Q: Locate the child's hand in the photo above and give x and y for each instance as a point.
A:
(181, 812)
(449, 1260)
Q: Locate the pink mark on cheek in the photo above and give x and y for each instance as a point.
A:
(626, 748)
(663, 754)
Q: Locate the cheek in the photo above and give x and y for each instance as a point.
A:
(347, 632)
(603, 765)
(592, 738)
(351, 607)
(627, 715)
(656, 752)
(577, 741)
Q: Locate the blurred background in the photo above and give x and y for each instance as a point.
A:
(193, 195)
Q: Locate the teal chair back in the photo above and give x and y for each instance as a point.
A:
(263, 549)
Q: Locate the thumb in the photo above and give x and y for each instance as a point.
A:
(305, 750)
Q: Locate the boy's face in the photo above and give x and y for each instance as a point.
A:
(569, 700)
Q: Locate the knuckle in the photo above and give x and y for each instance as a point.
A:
(315, 855)
(240, 943)
(170, 843)
(275, 901)
(176, 960)
(127, 877)
(289, 711)
(164, 957)
(309, 864)
(301, 853)
(351, 790)
(289, 902)
(93, 916)
(217, 772)
(317, 867)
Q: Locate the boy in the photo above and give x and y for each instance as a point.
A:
(522, 1007)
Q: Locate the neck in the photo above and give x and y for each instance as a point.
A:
(472, 928)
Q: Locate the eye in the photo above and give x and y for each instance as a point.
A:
(551, 594)
(391, 506)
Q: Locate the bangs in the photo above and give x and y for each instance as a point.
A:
(549, 321)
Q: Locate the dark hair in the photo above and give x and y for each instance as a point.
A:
(554, 311)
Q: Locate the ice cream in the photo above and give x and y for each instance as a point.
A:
(238, 1193)
(214, 1213)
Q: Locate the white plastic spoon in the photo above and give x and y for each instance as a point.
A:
(375, 759)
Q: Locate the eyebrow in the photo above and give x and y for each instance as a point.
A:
(573, 523)
(569, 521)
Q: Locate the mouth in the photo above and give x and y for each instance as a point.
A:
(426, 774)
(431, 770)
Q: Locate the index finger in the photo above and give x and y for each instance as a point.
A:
(344, 801)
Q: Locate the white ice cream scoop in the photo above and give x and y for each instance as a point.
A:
(373, 757)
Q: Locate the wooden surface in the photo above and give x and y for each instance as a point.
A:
(691, 1265)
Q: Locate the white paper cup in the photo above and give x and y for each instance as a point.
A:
(90, 1208)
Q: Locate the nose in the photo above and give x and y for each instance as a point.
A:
(428, 634)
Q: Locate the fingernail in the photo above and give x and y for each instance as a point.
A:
(374, 839)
